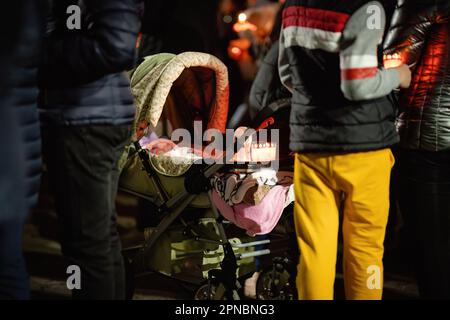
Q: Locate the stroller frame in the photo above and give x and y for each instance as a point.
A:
(172, 208)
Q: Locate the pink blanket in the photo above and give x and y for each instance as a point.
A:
(256, 220)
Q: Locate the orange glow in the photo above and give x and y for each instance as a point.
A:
(235, 53)
(241, 27)
(139, 40)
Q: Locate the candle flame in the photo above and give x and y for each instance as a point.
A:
(392, 60)
(242, 17)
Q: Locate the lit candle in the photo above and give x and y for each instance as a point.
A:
(392, 61)
(242, 18)
(264, 152)
(243, 25)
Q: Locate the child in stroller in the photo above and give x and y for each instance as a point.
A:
(193, 198)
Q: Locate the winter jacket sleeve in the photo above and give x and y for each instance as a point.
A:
(284, 66)
(358, 47)
(361, 77)
(267, 87)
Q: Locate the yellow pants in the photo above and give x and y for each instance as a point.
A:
(359, 184)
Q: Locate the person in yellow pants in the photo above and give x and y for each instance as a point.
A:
(322, 182)
(342, 127)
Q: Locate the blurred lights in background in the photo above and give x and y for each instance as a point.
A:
(227, 19)
(235, 53)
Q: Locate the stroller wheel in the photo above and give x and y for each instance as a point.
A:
(205, 292)
(275, 283)
(210, 292)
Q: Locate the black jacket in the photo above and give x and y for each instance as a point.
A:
(83, 70)
(330, 62)
(12, 163)
(20, 163)
(267, 88)
(25, 92)
(420, 32)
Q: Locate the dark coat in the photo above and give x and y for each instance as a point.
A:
(83, 70)
(25, 94)
(420, 32)
(267, 88)
(20, 22)
(21, 144)
(329, 111)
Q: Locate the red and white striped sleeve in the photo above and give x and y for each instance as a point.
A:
(362, 78)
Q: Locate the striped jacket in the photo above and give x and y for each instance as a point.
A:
(329, 59)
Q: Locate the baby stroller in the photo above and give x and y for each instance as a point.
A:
(191, 236)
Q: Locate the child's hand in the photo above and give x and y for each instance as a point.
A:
(405, 76)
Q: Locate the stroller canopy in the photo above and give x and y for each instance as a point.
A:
(196, 83)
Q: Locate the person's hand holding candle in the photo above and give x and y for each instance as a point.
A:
(395, 61)
(392, 61)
